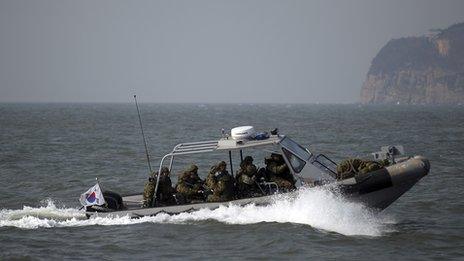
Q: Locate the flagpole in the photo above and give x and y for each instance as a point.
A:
(101, 190)
(95, 194)
(98, 183)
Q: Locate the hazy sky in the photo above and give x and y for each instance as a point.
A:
(202, 51)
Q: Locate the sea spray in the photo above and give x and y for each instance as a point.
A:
(35, 217)
(316, 207)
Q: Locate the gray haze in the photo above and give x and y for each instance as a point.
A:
(202, 51)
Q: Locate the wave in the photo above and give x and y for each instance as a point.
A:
(316, 207)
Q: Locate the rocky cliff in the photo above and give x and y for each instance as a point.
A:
(418, 70)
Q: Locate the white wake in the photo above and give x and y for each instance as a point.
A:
(316, 207)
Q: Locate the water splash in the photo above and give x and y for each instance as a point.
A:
(44, 216)
(318, 208)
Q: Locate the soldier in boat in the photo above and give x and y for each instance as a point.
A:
(247, 178)
(164, 196)
(278, 172)
(190, 186)
(221, 183)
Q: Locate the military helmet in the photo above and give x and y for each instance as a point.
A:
(248, 159)
(191, 168)
(222, 164)
(165, 171)
(267, 160)
(277, 157)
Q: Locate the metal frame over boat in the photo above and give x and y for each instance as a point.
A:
(376, 189)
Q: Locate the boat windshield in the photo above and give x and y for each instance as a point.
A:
(296, 163)
(296, 154)
(296, 148)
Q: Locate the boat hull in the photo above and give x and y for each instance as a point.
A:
(377, 190)
(176, 209)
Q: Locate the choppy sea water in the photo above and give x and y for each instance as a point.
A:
(51, 153)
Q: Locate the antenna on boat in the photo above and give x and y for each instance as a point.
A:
(143, 135)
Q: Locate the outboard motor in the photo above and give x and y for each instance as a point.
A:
(113, 200)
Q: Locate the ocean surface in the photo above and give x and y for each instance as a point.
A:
(51, 153)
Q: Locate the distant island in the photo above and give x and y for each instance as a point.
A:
(418, 70)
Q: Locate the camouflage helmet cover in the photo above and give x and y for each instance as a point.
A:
(222, 164)
(248, 159)
(164, 171)
(192, 168)
(276, 157)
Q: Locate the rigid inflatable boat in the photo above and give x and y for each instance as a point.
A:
(376, 189)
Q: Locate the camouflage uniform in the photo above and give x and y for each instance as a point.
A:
(278, 172)
(190, 186)
(210, 180)
(350, 167)
(164, 195)
(246, 178)
(221, 183)
(148, 192)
